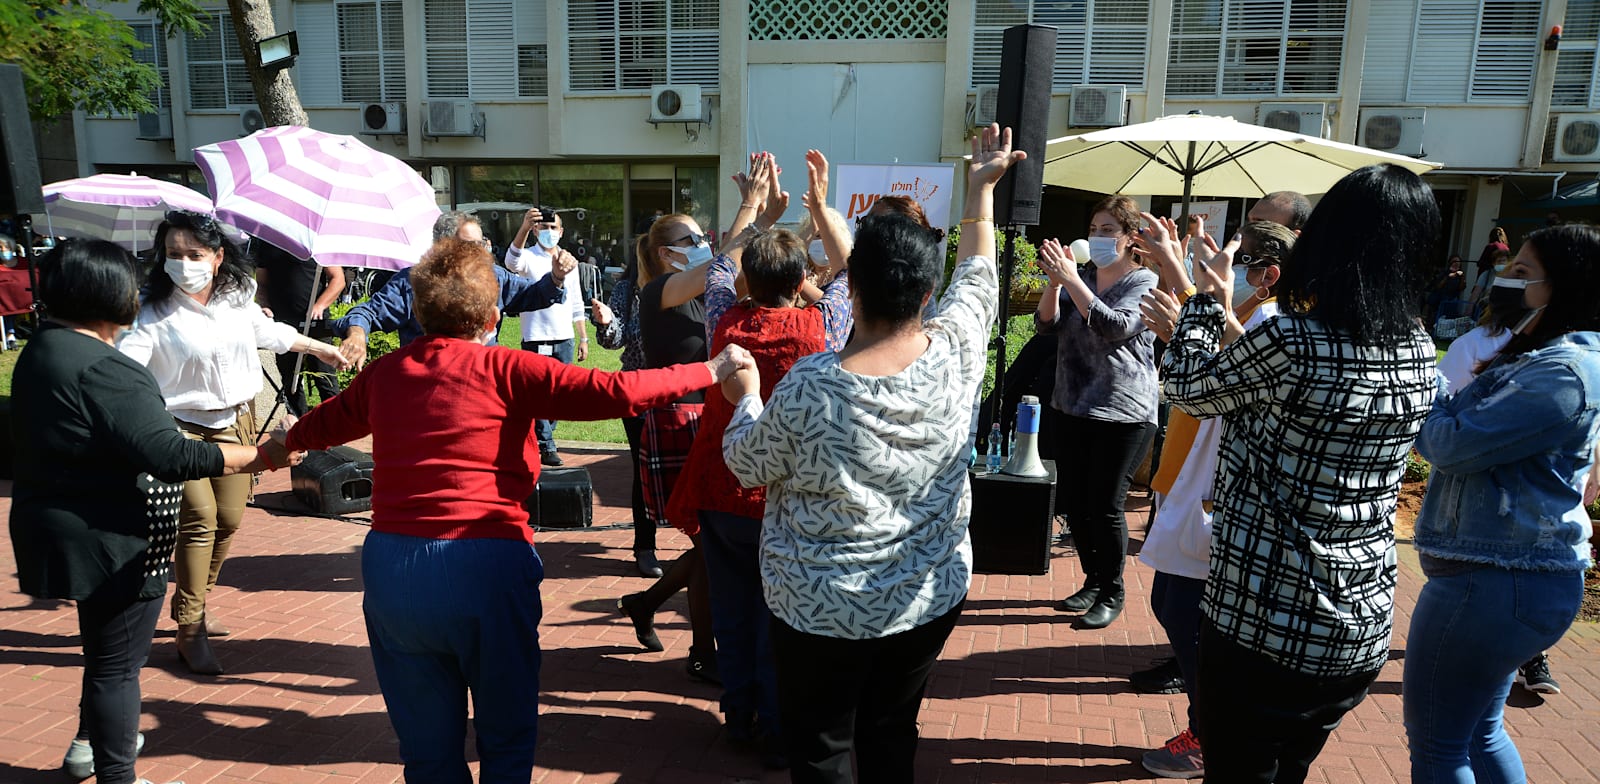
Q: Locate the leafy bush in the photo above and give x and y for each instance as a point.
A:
(1026, 276)
(1417, 469)
(378, 343)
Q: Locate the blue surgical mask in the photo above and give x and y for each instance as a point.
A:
(818, 254)
(1103, 251)
(693, 256)
(6, 256)
(1242, 288)
(548, 238)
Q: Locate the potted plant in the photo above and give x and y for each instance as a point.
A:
(1027, 280)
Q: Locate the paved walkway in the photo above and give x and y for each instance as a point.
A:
(1019, 695)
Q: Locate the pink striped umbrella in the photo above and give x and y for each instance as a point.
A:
(321, 196)
(122, 208)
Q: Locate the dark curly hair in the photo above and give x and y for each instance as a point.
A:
(1366, 283)
(236, 272)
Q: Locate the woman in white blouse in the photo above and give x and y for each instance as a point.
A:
(198, 331)
(865, 560)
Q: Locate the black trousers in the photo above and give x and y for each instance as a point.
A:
(836, 696)
(1260, 721)
(116, 633)
(644, 529)
(316, 372)
(1095, 460)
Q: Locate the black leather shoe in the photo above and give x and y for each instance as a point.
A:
(647, 563)
(1101, 614)
(1080, 601)
(1163, 678)
(644, 628)
(550, 458)
(703, 668)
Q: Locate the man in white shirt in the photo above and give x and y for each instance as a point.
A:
(549, 331)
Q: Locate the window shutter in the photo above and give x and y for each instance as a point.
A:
(533, 49)
(1507, 51)
(693, 50)
(1119, 42)
(1194, 56)
(991, 18)
(1576, 72)
(1388, 51)
(391, 17)
(1072, 29)
(1441, 60)
(491, 49)
(154, 53)
(359, 63)
(444, 36)
(592, 45)
(1253, 47)
(316, 70)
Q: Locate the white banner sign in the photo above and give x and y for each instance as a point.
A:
(857, 185)
(1214, 213)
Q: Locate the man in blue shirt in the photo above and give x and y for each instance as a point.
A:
(390, 307)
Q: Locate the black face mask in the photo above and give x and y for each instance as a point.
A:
(1508, 303)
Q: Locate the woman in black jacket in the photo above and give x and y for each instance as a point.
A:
(95, 505)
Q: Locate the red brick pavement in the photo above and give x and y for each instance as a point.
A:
(1019, 695)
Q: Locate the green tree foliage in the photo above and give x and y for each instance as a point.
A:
(77, 56)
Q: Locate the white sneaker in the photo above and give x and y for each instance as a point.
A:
(79, 762)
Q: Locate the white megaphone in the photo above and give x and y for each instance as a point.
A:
(1025, 455)
(1080, 254)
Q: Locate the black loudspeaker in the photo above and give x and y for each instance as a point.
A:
(334, 482)
(19, 170)
(1011, 522)
(564, 498)
(1027, 58)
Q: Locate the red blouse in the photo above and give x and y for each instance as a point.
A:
(777, 338)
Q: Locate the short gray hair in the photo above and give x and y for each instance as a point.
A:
(450, 222)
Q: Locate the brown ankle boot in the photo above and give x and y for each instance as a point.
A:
(194, 648)
(214, 628)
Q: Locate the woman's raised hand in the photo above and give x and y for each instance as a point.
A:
(753, 184)
(1160, 246)
(992, 155)
(1215, 277)
(816, 196)
(777, 197)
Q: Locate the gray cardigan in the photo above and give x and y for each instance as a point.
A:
(1105, 366)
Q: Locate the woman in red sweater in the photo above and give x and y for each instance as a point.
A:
(452, 579)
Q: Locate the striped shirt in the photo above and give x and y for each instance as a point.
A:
(1314, 443)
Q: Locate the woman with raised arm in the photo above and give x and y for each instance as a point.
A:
(865, 560)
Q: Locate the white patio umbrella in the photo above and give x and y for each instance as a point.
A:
(1183, 154)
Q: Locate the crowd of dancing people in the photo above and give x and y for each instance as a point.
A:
(800, 404)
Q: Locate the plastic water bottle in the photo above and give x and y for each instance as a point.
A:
(994, 447)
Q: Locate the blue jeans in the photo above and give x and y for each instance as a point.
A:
(1175, 601)
(545, 429)
(449, 616)
(740, 618)
(1469, 633)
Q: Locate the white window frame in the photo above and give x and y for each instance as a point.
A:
(1230, 36)
(1574, 42)
(1488, 52)
(155, 54)
(235, 94)
(389, 61)
(1085, 50)
(682, 46)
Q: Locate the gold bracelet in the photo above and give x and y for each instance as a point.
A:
(965, 221)
(1183, 296)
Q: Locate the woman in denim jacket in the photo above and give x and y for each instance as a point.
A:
(1503, 534)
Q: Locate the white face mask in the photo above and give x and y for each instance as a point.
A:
(1103, 251)
(819, 254)
(693, 256)
(548, 238)
(191, 276)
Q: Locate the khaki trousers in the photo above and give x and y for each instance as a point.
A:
(211, 512)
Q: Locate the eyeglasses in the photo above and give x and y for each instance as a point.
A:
(694, 239)
(485, 243)
(1257, 262)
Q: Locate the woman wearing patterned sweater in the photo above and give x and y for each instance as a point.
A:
(865, 559)
(1319, 407)
(452, 578)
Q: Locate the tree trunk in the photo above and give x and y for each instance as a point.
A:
(275, 93)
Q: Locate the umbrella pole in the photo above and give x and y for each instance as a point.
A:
(1008, 257)
(292, 383)
(1183, 210)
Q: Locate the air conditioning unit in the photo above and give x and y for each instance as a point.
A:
(453, 118)
(251, 120)
(1577, 138)
(156, 125)
(383, 118)
(1306, 119)
(985, 106)
(1396, 130)
(1098, 106)
(676, 103)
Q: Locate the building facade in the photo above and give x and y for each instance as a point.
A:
(626, 107)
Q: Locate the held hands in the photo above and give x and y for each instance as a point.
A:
(991, 156)
(1057, 263)
(744, 382)
(730, 360)
(332, 355)
(354, 348)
